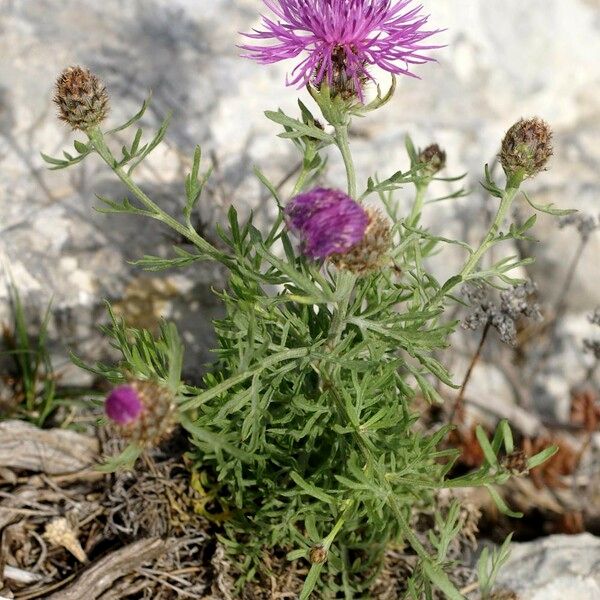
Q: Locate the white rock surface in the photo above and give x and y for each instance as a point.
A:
(502, 61)
(560, 567)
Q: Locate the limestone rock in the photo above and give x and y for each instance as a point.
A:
(559, 567)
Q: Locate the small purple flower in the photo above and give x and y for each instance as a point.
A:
(123, 405)
(326, 221)
(342, 38)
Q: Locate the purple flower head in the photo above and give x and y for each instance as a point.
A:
(340, 39)
(327, 221)
(123, 405)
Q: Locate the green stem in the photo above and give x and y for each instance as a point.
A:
(345, 284)
(417, 207)
(97, 139)
(300, 182)
(315, 570)
(488, 241)
(341, 136)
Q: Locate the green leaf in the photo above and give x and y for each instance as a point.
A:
(310, 582)
(124, 461)
(548, 208)
(501, 505)
(541, 457)
(156, 140)
(297, 128)
(310, 489)
(133, 119)
(441, 581)
(487, 449)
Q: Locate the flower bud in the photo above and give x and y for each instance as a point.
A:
(433, 159)
(526, 149)
(516, 463)
(371, 253)
(81, 98)
(143, 411)
(317, 555)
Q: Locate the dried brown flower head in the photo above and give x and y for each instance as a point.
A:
(526, 149)
(433, 158)
(317, 555)
(516, 463)
(81, 98)
(371, 253)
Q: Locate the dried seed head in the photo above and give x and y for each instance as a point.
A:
(59, 532)
(516, 463)
(81, 98)
(470, 515)
(143, 411)
(526, 149)
(317, 555)
(433, 159)
(371, 253)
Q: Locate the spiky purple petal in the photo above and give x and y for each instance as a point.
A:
(123, 405)
(386, 33)
(327, 222)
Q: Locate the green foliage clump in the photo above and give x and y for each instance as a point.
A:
(304, 429)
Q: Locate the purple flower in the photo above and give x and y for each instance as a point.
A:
(327, 222)
(341, 38)
(123, 405)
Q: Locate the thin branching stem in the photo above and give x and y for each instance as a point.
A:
(458, 402)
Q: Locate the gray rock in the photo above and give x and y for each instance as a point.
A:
(559, 567)
(501, 62)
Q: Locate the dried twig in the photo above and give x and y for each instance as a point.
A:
(456, 407)
(52, 451)
(101, 576)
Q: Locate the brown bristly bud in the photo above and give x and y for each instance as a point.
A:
(371, 253)
(317, 555)
(81, 98)
(516, 463)
(156, 418)
(526, 149)
(433, 159)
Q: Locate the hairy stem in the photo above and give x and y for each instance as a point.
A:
(97, 139)
(487, 242)
(341, 136)
(417, 207)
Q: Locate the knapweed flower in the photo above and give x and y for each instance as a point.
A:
(123, 405)
(372, 252)
(526, 148)
(340, 39)
(81, 98)
(327, 222)
(143, 411)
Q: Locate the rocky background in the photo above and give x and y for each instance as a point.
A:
(503, 60)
